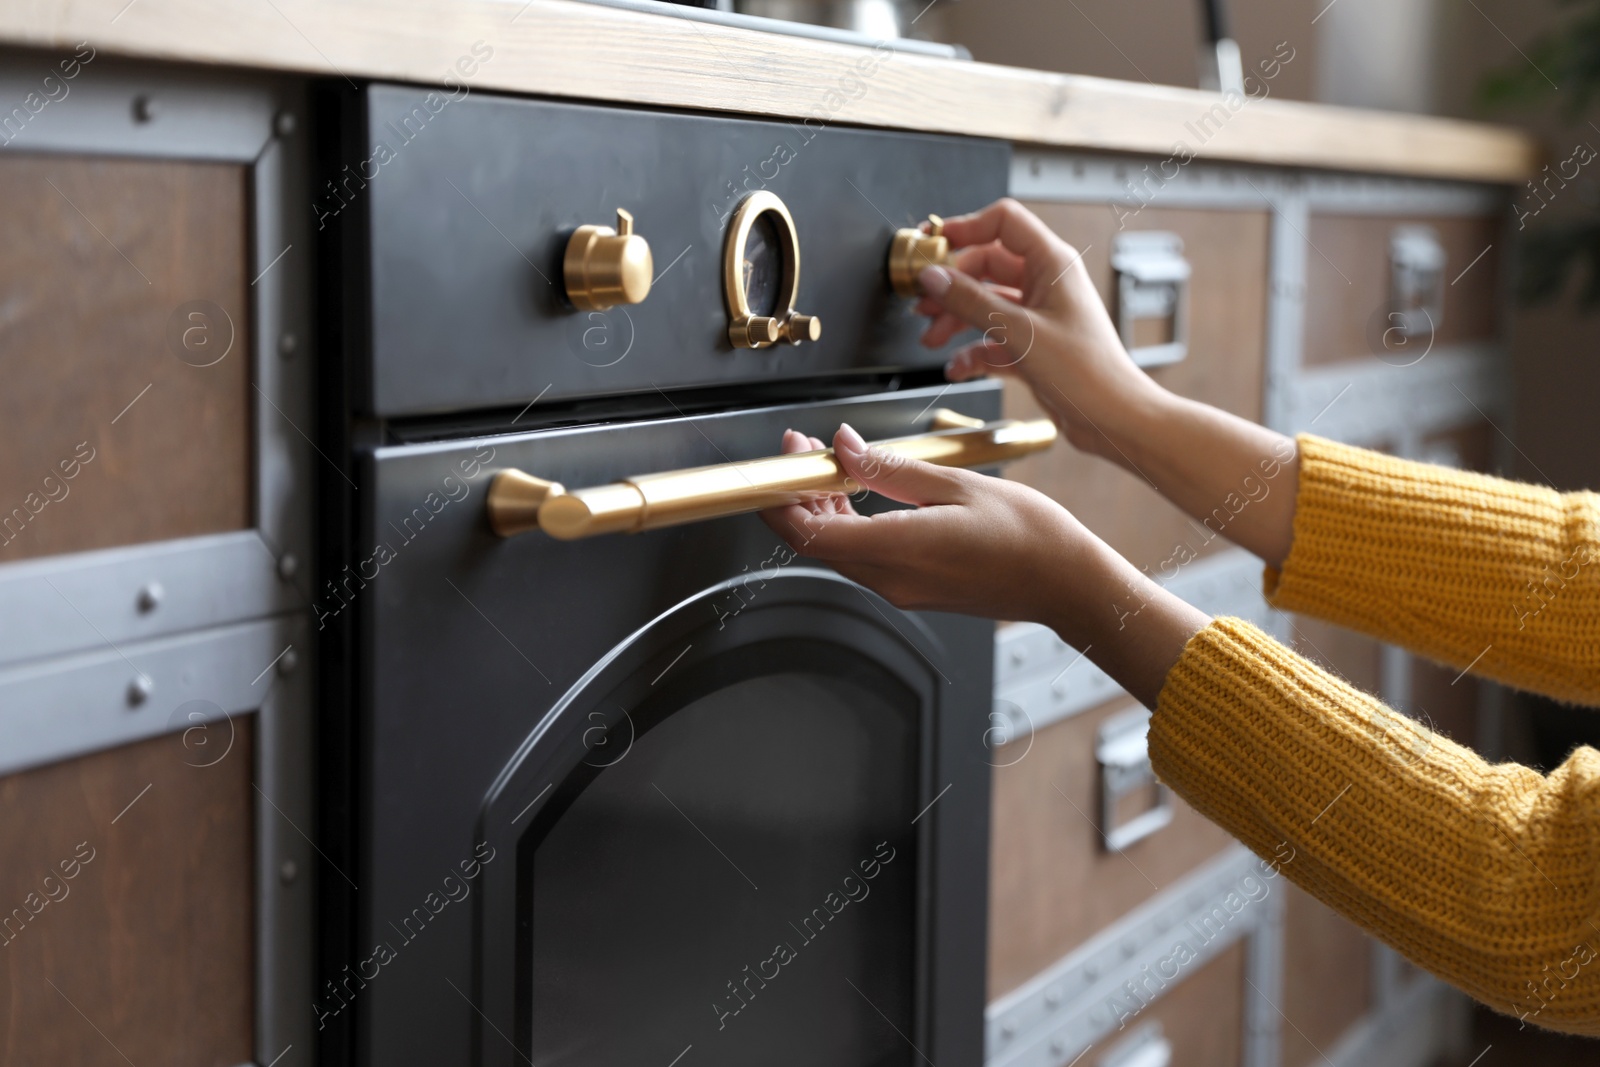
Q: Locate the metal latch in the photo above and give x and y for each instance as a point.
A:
(1124, 757)
(1416, 280)
(1152, 296)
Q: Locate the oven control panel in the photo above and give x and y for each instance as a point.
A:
(500, 252)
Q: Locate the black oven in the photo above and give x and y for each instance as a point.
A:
(677, 796)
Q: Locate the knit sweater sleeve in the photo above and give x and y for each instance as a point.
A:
(1486, 875)
(1462, 568)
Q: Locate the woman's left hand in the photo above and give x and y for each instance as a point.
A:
(974, 544)
(988, 547)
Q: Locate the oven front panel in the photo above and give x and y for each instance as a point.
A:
(500, 679)
(466, 219)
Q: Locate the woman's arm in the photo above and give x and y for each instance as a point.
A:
(1477, 572)
(1472, 571)
(1488, 876)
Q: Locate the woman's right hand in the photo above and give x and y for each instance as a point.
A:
(1042, 322)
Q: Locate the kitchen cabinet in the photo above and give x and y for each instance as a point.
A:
(155, 546)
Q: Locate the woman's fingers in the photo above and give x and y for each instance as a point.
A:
(993, 262)
(947, 324)
(970, 302)
(839, 534)
(1014, 226)
(795, 441)
(908, 481)
(982, 358)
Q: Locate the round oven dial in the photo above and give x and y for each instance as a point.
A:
(761, 276)
(912, 250)
(605, 267)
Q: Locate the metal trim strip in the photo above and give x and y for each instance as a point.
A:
(1095, 989)
(57, 605)
(1129, 182)
(73, 705)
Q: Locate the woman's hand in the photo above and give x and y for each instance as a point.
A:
(982, 546)
(975, 545)
(1042, 322)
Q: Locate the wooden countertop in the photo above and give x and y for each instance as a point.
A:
(584, 51)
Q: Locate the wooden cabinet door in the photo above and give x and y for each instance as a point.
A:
(1348, 279)
(1053, 884)
(127, 878)
(126, 412)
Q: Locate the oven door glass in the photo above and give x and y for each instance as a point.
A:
(739, 878)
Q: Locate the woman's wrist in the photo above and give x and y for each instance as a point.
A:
(1126, 624)
(1134, 414)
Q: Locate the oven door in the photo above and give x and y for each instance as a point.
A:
(671, 797)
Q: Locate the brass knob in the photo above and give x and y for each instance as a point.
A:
(605, 267)
(912, 251)
(797, 328)
(754, 331)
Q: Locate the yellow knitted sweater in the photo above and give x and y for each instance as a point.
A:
(1486, 875)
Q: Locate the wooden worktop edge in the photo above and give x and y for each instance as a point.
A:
(584, 51)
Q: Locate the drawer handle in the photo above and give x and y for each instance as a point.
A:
(1416, 284)
(1152, 279)
(1124, 757)
(519, 502)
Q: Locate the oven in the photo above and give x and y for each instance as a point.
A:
(610, 775)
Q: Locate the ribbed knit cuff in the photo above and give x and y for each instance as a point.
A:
(1460, 567)
(1485, 875)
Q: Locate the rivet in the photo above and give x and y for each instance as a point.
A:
(144, 109)
(1091, 970)
(1052, 999)
(1058, 1047)
(287, 344)
(1007, 1032)
(150, 597)
(288, 662)
(284, 123)
(139, 690)
(288, 564)
(287, 872)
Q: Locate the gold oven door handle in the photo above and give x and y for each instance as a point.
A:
(519, 502)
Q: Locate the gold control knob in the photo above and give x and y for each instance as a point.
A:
(912, 251)
(797, 328)
(605, 267)
(754, 331)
